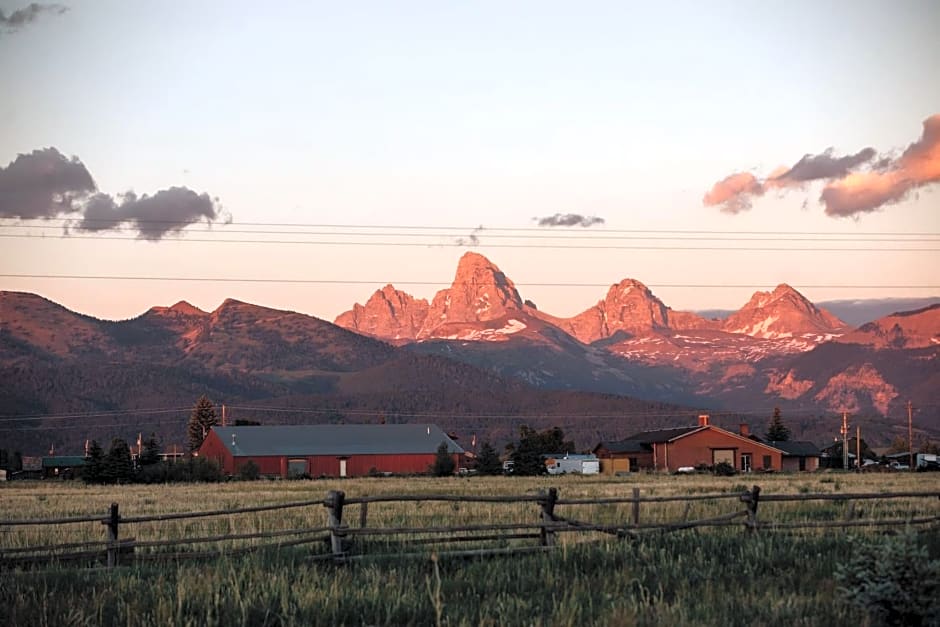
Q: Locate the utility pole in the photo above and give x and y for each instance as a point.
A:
(858, 449)
(845, 441)
(910, 437)
(223, 414)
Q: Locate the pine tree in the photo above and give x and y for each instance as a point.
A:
(93, 471)
(443, 462)
(488, 461)
(201, 420)
(118, 467)
(151, 452)
(777, 431)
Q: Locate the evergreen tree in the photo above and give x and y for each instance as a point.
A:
(777, 431)
(118, 467)
(93, 471)
(151, 452)
(527, 454)
(443, 462)
(488, 461)
(201, 420)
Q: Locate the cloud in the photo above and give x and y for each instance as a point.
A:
(734, 192)
(28, 14)
(47, 184)
(43, 184)
(168, 211)
(824, 166)
(862, 192)
(855, 183)
(569, 219)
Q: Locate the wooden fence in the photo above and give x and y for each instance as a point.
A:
(338, 537)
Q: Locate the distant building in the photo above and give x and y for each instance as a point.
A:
(62, 466)
(703, 445)
(328, 450)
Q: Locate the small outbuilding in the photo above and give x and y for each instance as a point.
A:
(62, 466)
(328, 450)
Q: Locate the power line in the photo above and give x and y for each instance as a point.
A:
(279, 242)
(482, 228)
(600, 235)
(443, 282)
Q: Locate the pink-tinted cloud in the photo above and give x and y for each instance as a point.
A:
(863, 192)
(734, 192)
(856, 183)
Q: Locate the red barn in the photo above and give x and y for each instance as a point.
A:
(328, 450)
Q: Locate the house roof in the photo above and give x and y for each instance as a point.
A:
(334, 440)
(796, 448)
(63, 461)
(661, 435)
(625, 446)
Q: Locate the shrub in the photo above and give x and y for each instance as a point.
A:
(893, 579)
(724, 469)
(249, 471)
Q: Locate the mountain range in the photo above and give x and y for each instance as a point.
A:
(478, 359)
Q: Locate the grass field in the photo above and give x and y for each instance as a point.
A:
(704, 577)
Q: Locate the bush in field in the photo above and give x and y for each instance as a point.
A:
(193, 470)
(249, 471)
(894, 579)
(724, 469)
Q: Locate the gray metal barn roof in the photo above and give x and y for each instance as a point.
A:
(304, 440)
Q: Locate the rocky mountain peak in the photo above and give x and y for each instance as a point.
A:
(480, 293)
(784, 312)
(389, 313)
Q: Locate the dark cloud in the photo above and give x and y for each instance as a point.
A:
(28, 14)
(569, 219)
(46, 184)
(168, 211)
(824, 166)
(43, 184)
(857, 183)
(471, 240)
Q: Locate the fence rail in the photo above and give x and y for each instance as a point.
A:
(338, 538)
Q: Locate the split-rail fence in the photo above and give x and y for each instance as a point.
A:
(337, 537)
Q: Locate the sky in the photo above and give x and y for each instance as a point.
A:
(141, 140)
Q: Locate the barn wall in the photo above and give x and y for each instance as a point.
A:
(696, 449)
(356, 465)
(793, 463)
(212, 448)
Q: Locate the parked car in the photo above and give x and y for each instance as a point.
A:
(896, 465)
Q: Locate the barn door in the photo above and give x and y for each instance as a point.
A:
(342, 468)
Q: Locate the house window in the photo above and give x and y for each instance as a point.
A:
(723, 455)
(767, 462)
(634, 464)
(802, 463)
(745, 462)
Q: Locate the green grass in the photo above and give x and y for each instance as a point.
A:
(703, 577)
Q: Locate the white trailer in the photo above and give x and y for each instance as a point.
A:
(573, 464)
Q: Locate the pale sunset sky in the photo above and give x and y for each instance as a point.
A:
(467, 115)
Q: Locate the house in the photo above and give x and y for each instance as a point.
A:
(328, 450)
(797, 455)
(702, 445)
(62, 466)
(623, 456)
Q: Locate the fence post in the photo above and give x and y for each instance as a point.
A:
(334, 504)
(363, 513)
(112, 522)
(753, 498)
(636, 507)
(547, 501)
